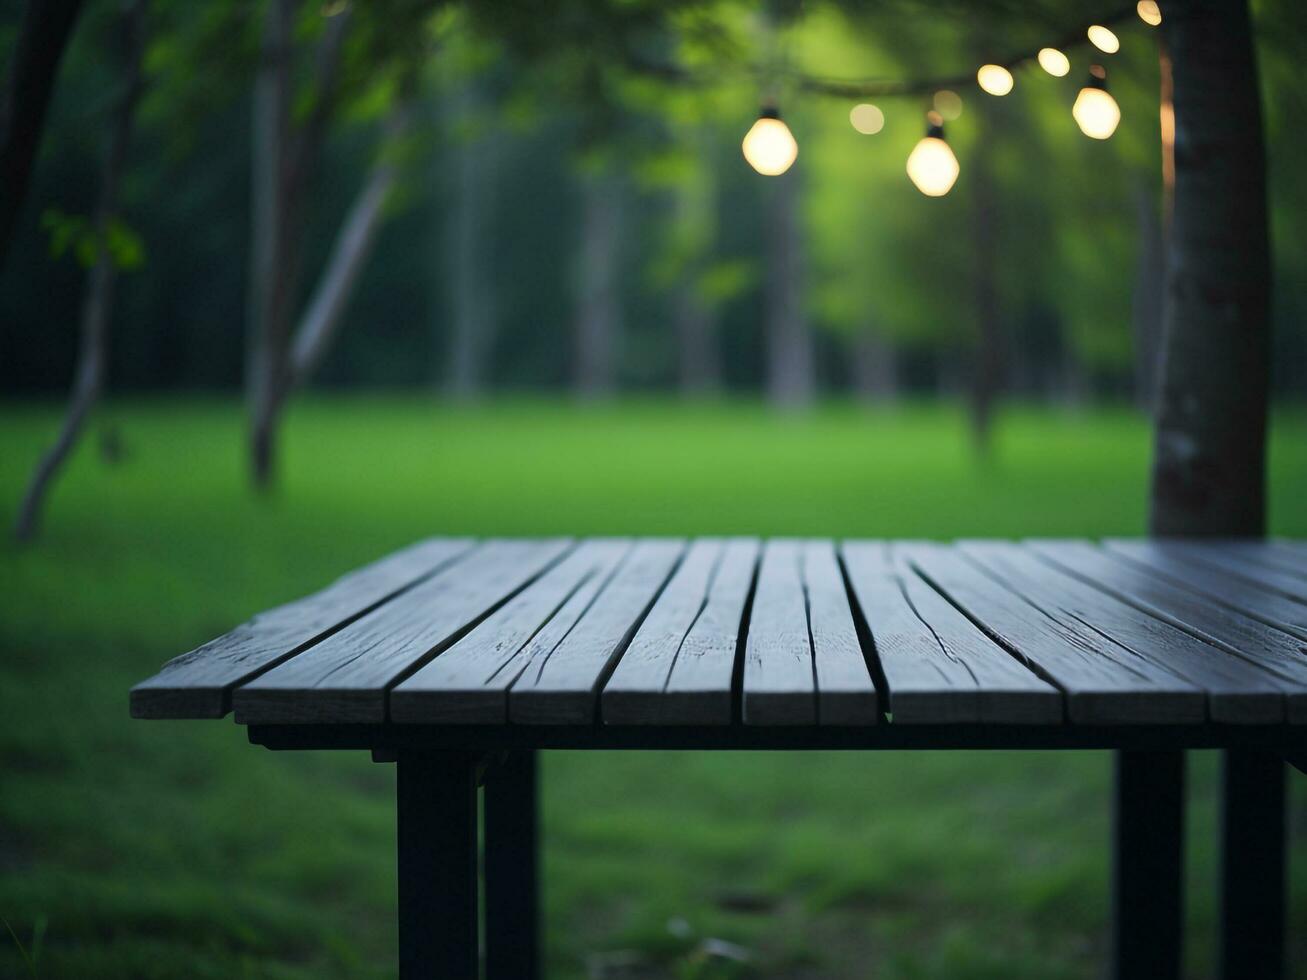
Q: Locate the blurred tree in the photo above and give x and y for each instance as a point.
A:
(43, 34)
(104, 245)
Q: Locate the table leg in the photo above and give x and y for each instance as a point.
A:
(1252, 865)
(1147, 865)
(437, 835)
(512, 869)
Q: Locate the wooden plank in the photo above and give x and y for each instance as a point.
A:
(562, 687)
(1237, 691)
(1273, 650)
(345, 677)
(678, 670)
(1231, 561)
(846, 693)
(468, 682)
(198, 684)
(938, 667)
(1274, 554)
(1103, 682)
(779, 686)
(1233, 593)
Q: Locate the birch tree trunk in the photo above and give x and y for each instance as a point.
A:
(97, 304)
(43, 34)
(791, 380)
(1209, 452)
(599, 309)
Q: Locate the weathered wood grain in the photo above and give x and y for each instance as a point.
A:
(1234, 561)
(1279, 653)
(1234, 593)
(345, 677)
(846, 693)
(1237, 691)
(468, 682)
(938, 667)
(198, 684)
(1103, 682)
(780, 685)
(562, 687)
(678, 670)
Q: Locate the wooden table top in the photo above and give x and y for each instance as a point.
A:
(620, 633)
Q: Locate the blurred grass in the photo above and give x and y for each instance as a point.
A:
(176, 849)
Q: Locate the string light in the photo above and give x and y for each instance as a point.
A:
(1103, 39)
(1054, 62)
(948, 104)
(867, 119)
(994, 79)
(769, 146)
(1095, 111)
(932, 165)
(1149, 12)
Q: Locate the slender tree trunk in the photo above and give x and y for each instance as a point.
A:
(349, 255)
(43, 34)
(285, 159)
(97, 304)
(473, 318)
(1209, 454)
(1149, 293)
(599, 313)
(791, 378)
(986, 368)
(874, 366)
(699, 365)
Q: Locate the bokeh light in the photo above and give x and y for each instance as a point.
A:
(994, 79)
(867, 119)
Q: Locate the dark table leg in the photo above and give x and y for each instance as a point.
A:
(1147, 865)
(512, 870)
(1252, 865)
(436, 796)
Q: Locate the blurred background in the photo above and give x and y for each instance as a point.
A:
(324, 277)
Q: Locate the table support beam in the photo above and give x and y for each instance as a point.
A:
(436, 797)
(1252, 865)
(512, 869)
(1147, 865)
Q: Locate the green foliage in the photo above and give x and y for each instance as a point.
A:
(77, 234)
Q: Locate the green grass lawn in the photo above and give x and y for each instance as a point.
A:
(135, 849)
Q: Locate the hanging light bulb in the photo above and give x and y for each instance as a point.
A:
(1095, 111)
(1103, 39)
(1054, 62)
(932, 165)
(1149, 12)
(994, 79)
(769, 145)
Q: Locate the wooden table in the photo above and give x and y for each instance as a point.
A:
(459, 659)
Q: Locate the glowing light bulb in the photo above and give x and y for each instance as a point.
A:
(932, 165)
(948, 104)
(1054, 62)
(1095, 111)
(1149, 12)
(867, 119)
(1103, 39)
(769, 145)
(994, 79)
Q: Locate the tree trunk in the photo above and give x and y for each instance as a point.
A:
(284, 159)
(349, 255)
(874, 366)
(1148, 299)
(987, 357)
(699, 365)
(1209, 453)
(97, 305)
(599, 313)
(472, 333)
(791, 380)
(43, 34)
